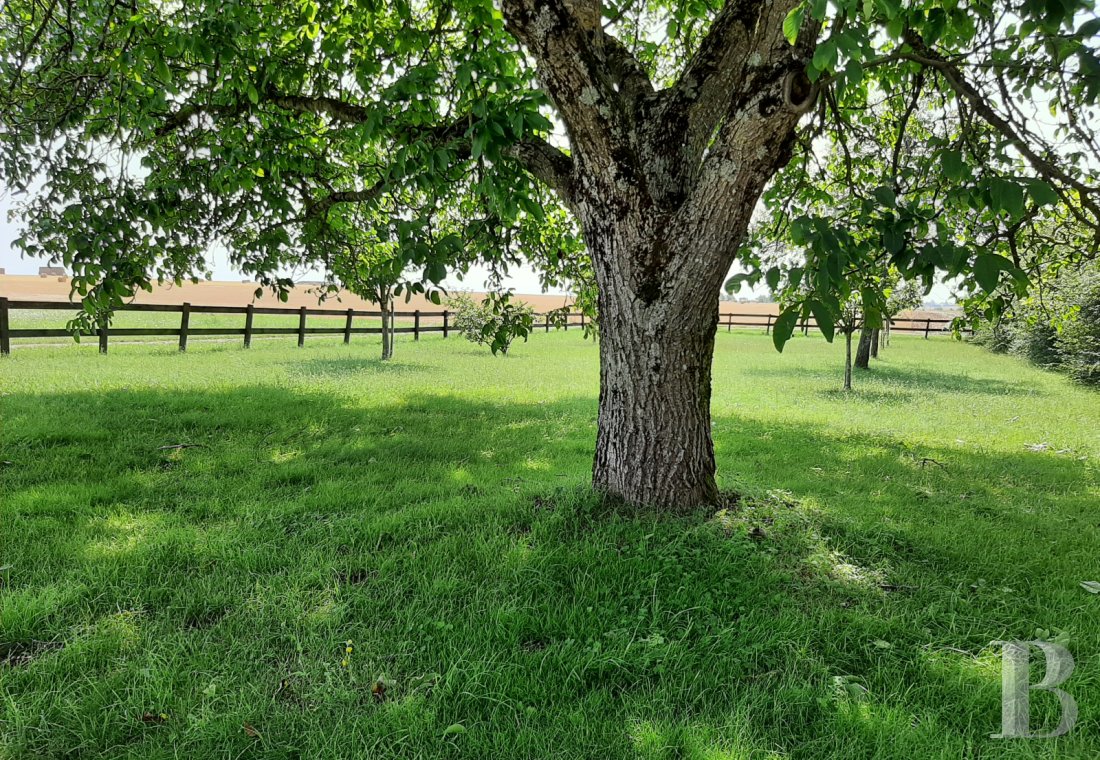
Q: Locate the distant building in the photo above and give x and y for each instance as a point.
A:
(52, 272)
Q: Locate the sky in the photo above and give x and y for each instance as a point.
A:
(520, 279)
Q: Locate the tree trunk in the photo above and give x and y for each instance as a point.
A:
(876, 340)
(847, 360)
(385, 303)
(653, 443)
(863, 353)
(663, 182)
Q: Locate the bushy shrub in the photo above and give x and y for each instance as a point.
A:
(495, 322)
(995, 337)
(1059, 331)
(1079, 334)
(1036, 339)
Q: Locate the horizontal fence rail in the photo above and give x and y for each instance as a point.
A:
(248, 330)
(926, 326)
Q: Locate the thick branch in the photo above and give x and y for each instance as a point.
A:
(566, 41)
(741, 38)
(547, 164)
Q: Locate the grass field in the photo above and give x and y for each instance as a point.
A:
(197, 602)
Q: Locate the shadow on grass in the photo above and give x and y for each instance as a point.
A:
(894, 383)
(844, 609)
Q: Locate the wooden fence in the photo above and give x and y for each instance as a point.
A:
(422, 322)
(440, 323)
(925, 326)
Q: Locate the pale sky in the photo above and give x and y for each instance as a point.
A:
(521, 279)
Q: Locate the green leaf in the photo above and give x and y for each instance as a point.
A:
(954, 167)
(772, 278)
(793, 22)
(824, 319)
(885, 195)
(800, 230)
(987, 270)
(1006, 195)
(825, 55)
(1042, 193)
(784, 326)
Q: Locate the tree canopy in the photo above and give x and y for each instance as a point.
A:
(148, 131)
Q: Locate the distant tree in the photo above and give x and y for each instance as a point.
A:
(495, 321)
(848, 320)
(904, 295)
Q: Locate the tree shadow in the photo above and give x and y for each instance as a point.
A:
(949, 382)
(845, 605)
(898, 383)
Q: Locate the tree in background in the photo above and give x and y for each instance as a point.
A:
(903, 296)
(897, 296)
(150, 130)
(494, 322)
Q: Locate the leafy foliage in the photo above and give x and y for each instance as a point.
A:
(495, 322)
(252, 125)
(912, 162)
(1057, 328)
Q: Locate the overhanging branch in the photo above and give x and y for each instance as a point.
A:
(953, 75)
(547, 164)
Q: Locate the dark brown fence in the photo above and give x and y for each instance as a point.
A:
(924, 326)
(422, 322)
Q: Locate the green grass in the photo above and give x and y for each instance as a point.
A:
(433, 511)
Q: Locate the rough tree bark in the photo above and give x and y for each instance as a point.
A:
(663, 183)
(863, 352)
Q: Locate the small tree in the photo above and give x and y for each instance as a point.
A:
(495, 322)
(848, 320)
(904, 295)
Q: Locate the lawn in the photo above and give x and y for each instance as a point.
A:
(198, 602)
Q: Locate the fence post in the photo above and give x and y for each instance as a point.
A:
(729, 323)
(347, 326)
(805, 326)
(248, 314)
(567, 315)
(416, 325)
(927, 325)
(547, 315)
(5, 328)
(103, 335)
(768, 328)
(185, 320)
(302, 327)
(582, 320)
(445, 315)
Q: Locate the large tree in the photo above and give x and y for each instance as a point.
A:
(148, 129)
